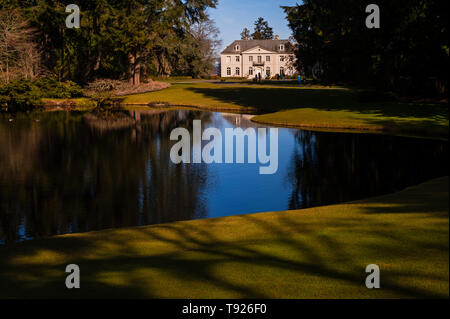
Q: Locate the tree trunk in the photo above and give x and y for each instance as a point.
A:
(130, 68)
(137, 69)
(134, 75)
(7, 70)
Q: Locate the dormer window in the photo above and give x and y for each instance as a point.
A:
(237, 47)
(281, 47)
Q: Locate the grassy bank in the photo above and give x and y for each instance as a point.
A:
(308, 107)
(313, 253)
(414, 120)
(74, 104)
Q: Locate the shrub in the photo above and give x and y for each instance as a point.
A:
(19, 96)
(24, 95)
(103, 85)
(51, 88)
(108, 87)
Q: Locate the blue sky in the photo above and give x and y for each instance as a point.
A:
(231, 16)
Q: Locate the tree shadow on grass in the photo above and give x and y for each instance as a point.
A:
(269, 99)
(420, 127)
(274, 99)
(419, 202)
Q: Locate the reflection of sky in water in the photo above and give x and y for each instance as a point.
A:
(239, 188)
(22, 233)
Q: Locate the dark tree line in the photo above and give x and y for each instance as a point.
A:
(126, 39)
(408, 54)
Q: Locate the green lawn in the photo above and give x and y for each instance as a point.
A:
(313, 253)
(308, 107)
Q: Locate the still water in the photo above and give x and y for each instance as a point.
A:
(75, 172)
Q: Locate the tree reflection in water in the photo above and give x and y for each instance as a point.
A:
(73, 174)
(333, 168)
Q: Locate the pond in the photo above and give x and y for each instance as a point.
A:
(66, 172)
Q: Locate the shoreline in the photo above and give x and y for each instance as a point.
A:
(54, 105)
(309, 108)
(362, 200)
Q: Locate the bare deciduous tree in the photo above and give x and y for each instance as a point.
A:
(208, 37)
(19, 54)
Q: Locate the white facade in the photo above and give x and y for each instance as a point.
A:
(257, 60)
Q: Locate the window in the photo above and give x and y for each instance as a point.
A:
(281, 58)
(238, 71)
(268, 71)
(237, 47)
(228, 59)
(228, 71)
(282, 71)
(250, 58)
(281, 47)
(259, 59)
(268, 58)
(250, 71)
(238, 58)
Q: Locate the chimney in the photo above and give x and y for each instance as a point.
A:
(276, 36)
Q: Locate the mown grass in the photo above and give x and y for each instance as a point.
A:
(185, 94)
(308, 107)
(314, 253)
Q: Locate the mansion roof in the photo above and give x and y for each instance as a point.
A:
(269, 45)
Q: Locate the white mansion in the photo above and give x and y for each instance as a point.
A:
(249, 58)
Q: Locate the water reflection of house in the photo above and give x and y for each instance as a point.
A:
(240, 120)
(117, 120)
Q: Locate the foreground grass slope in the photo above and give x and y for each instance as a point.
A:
(308, 107)
(313, 253)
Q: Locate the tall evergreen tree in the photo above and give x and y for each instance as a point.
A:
(262, 30)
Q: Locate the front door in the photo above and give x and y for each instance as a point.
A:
(258, 72)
